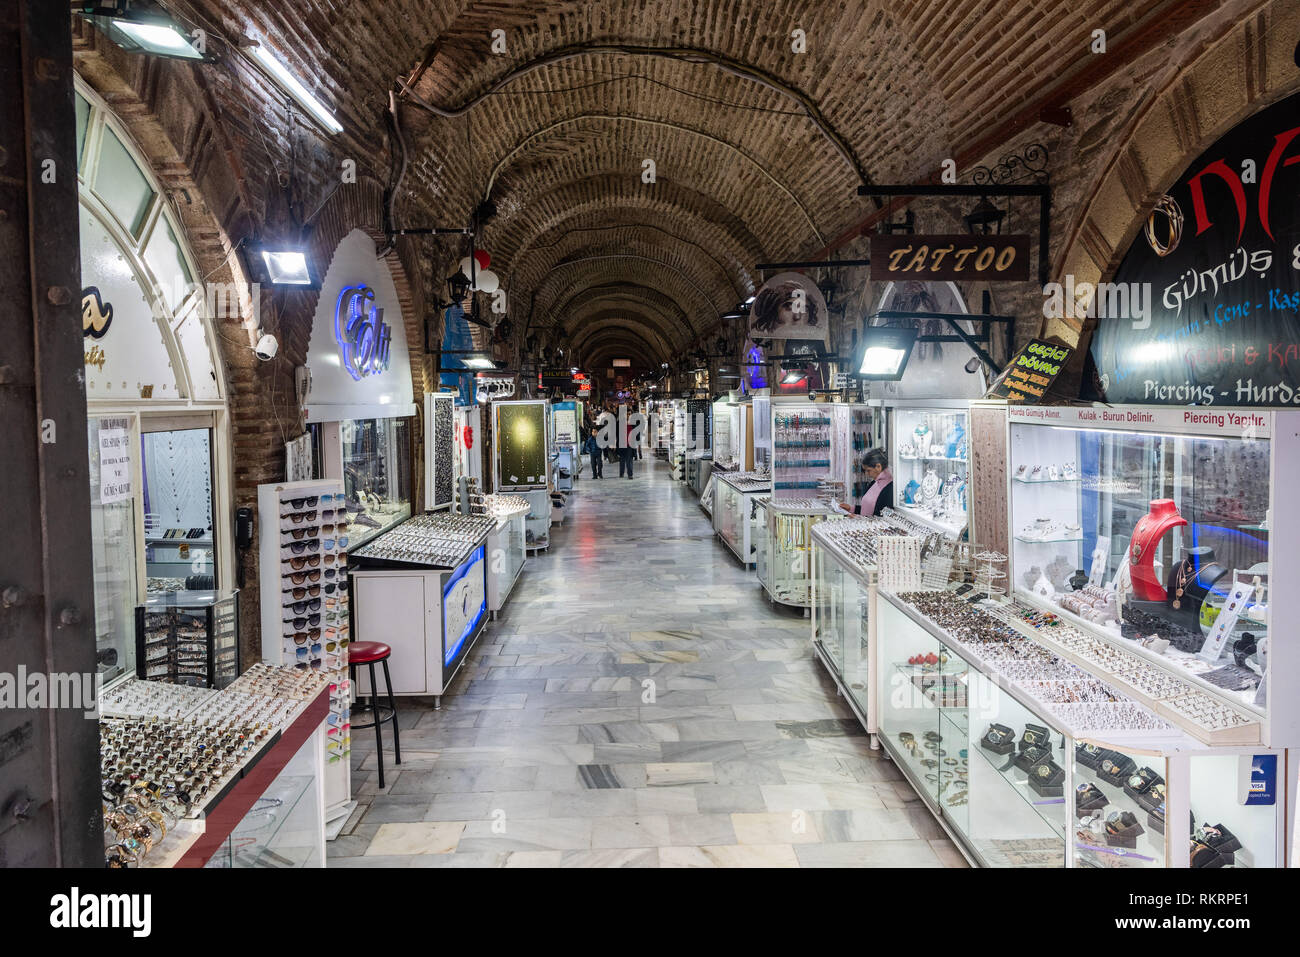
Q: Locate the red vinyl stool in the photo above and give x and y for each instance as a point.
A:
(370, 653)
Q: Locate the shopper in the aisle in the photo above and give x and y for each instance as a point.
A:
(626, 452)
(880, 493)
(592, 448)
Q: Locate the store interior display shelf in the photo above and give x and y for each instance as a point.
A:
(1048, 541)
(939, 525)
(1048, 481)
(1048, 809)
(1150, 845)
(1247, 733)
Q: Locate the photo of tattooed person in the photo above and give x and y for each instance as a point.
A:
(787, 307)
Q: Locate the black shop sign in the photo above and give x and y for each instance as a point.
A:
(1215, 276)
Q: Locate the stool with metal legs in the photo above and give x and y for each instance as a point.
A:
(370, 653)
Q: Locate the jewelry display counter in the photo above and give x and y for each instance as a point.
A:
(931, 461)
(734, 495)
(232, 778)
(786, 572)
(1166, 517)
(699, 466)
(507, 549)
(422, 589)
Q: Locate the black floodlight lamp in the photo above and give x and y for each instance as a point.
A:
(883, 352)
(283, 264)
(139, 30)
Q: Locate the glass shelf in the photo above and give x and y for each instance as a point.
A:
(1058, 481)
(1047, 541)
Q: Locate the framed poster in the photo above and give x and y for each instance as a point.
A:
(519, 444)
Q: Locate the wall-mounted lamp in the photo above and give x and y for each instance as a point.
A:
(883, 352)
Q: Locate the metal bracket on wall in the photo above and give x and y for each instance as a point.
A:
(1042, 191)
(952, 318)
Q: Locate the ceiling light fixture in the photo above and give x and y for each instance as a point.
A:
(290, 84)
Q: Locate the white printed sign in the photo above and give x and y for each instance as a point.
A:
(114, 460)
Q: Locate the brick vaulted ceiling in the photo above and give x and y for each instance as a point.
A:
(758, 150)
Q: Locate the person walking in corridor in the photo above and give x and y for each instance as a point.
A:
(592, 448)
(626, 452)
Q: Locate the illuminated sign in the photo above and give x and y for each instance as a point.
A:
(363, 336)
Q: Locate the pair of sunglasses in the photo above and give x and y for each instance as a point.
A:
(298, 564)
(299, 578)
(299, 517)
(307, 531)
(307, 502)
(300, 593)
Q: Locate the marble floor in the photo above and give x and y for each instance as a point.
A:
(639, 703)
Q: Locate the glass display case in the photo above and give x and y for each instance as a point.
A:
(520, 457)
(699, 466)
(734, 509)
(786, 573)
(930, 465)
(1150, 531)
(844, 596)
(188, 637)
(376, 474)
(285, 826)
(507, 545)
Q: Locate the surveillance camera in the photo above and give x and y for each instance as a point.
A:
(266, 347)
(973, 364)
(812, 396)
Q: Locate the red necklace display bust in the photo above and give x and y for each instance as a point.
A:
(1142, 549)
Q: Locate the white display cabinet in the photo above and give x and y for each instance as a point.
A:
(439, 451)
(734, 508)
(422, 589)
(930, 462)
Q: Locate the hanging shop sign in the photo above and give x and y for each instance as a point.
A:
(1203, 309)
(789, 306)
(950, 258)
(1032, 372)
(360, 366)
(555, 378)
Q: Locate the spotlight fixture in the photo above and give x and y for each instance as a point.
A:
(282, 264)
(291, 85)
(142, 31)
(792, 375)
(884, 351)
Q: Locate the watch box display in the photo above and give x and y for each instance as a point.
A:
(931, 466)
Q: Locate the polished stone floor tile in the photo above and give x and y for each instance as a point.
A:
(639, 703)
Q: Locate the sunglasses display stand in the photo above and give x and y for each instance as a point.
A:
(302, 539)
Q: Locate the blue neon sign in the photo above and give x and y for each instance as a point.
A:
(363, 336)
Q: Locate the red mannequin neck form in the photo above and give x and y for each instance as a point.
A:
(1142, 548)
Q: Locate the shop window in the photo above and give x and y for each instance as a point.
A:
(121, 184)
(376, 474)
(164, 256)
(115, 569)
(179, 545)
(83, 121)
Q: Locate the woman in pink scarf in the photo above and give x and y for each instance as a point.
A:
(880, 494)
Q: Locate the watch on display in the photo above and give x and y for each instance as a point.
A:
(1088, 798)
(1140, 782)
(1047, 779)
(999, 739)
(1035, 736)
(1028, 758)
(1123, 829)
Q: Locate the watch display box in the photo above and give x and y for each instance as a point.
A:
(1047, 779)
(999, 739)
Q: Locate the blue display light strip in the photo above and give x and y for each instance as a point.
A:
(460, 573)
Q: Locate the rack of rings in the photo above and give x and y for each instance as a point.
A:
(169, 753)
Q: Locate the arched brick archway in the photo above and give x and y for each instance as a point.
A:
(1249, 68)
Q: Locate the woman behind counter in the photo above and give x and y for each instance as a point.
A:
(880, 494)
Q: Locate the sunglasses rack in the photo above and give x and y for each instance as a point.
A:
(303, 533)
